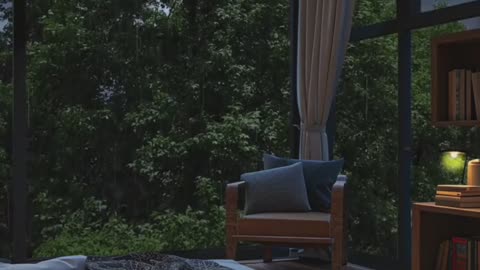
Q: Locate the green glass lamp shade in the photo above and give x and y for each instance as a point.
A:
(453, 161)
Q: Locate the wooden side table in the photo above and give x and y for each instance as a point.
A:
(433, 224)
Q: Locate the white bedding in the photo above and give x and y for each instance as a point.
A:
(232, 265)
(62, 263)
(78, 263)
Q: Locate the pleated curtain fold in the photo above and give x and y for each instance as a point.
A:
(323, 33)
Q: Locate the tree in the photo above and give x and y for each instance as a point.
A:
(142, 110)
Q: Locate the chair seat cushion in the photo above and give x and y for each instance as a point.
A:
(307, 224)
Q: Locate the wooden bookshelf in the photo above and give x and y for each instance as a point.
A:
(449, 52)
(433, 224)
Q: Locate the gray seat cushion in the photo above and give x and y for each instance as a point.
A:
(276, 190)
(304, 224)
(306, 216)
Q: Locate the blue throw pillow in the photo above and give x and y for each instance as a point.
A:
(319, 178)
(276, 190)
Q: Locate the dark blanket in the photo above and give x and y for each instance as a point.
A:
(150, 262)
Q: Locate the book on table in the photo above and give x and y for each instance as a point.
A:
(458, 188)
(458, 204)
(458, 199)
(459, 193)
(463, 196)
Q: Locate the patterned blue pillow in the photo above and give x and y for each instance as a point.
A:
(319, 178)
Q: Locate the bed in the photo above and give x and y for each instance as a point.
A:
(129, 262)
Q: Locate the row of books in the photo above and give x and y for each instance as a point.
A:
(464, 196)
(463, 95)
(459, 253)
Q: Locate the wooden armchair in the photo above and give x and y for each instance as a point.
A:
(304, 230)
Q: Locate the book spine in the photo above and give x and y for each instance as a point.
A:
(450, 255)
(460, 253)
(458, 194)
(468, 98)
(462, 95)
(440, 256)
(476, 93)
(452, 98)
(469, 255)
(477, 254)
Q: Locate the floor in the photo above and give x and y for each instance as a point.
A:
(293, 265)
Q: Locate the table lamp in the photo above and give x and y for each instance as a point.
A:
(454, 161)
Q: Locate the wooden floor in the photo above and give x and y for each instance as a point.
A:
(293, 265)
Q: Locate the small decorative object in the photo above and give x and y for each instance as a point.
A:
(473, 177)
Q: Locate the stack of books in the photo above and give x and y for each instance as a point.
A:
(459, 253)
(463, 95)
(463, 196)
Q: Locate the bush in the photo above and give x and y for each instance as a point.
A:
(165, 232)
(94, 230)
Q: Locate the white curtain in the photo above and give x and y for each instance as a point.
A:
(323, 32)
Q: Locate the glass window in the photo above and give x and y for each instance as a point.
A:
(140, 113)
(473, 23)
(371, 12)
(6, 52)
(428, 5)
(432, 165)
(367, 136)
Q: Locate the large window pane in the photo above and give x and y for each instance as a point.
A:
(367, 137)
(430, 166)
(371, 12)
(367, 134)
(428, 5)
(6, 51)
(141, 111)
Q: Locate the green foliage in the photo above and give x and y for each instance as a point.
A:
(94, 230)
(138, 117)
(167, 232)
(136, 107)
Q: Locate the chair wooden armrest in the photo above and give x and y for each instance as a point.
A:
(231, 206)
(338, 227)
(233, 195)
(339, 197)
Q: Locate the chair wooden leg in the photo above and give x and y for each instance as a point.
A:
(339, 256)
(231, 252)
(267, 254)
(336, 261)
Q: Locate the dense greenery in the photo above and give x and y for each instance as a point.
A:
(141, 110)
(137, 104)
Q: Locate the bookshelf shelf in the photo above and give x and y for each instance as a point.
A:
(450, 52)
(433, 224)
(458, 123)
